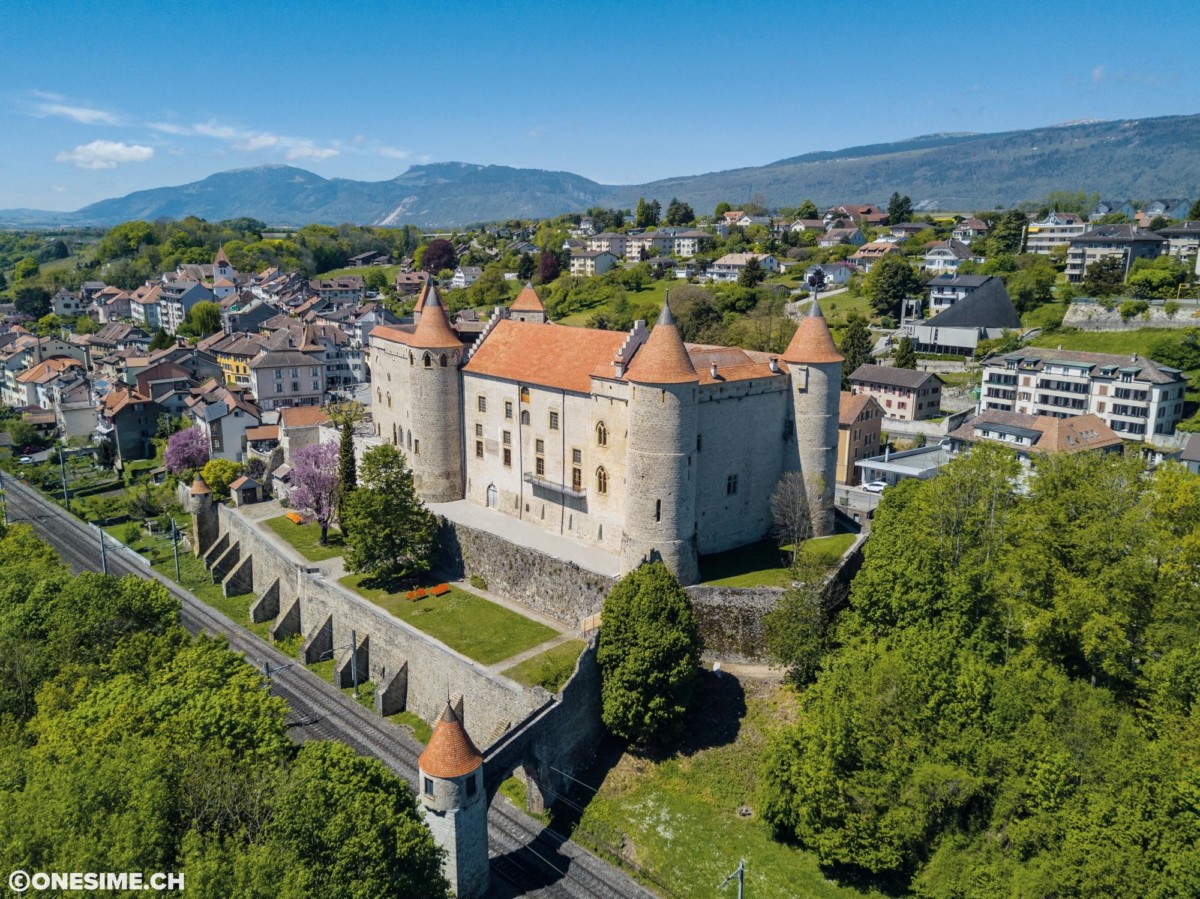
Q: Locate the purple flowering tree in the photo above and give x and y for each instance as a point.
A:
(186, 449)
(315, 480)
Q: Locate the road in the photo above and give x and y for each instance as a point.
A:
(527, 858)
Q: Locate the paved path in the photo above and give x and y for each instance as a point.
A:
(522, 533)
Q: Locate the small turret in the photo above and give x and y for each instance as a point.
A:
(660, 495)
(204, 516)
(815, 366)
(434, 397)
(528, 306)
(454, 803)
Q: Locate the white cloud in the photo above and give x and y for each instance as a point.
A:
(169, 128)
(536, 131)
(58, 189)
(258, 142)
(81, 114)
(393, 152)
(105, 154)
(308, 150)
(1098, 74)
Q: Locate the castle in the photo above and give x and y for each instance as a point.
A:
(633, 442)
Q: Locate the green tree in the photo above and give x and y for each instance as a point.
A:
(721, 209)
(1007, 232)
(490, 289)
(899, 209)
(890, 281)
(679, 213)
(906, 354)
(376, 279)
(752, 273)
(1104, 278)
(389, 532)
(346, 416)
(799, 628)
(808, 210)
(85, 324)
(161, 340)
(856, 347)
(26, 269)
(202, 320)
(218, 474)
(648, 654)
(49, 325)
(525, 267)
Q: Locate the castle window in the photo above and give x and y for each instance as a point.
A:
(393, 434)
(410, 439)
(416, 446)
(576, 456)
(576, 479)
(524, 394)
(508, 438)
(602, 481)
(478, 449)
(553, 421)
(478, 430)
(602, 434)
(410, 361)
(429, 786)
(698, 442)
(539, 446)
(508, 409)
(507, 457)
(428, 361)
(389, 395)
(378, 395)
(482, 403)
(442, 360)
(524, 416)
(540, 466)
(731, 485)
(658, 510)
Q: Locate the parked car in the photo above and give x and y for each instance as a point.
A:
(26, 460)
(875, 486)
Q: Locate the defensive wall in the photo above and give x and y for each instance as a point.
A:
(1091, 316)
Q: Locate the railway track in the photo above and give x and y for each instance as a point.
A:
(527, 859)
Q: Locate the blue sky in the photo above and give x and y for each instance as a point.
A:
(97, 100)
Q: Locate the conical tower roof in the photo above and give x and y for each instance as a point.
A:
(420, 305)
(450, 752)
(812, 342)
(528, 300)
(433, 330)
(221, 257)
(663, 359)
(199, 488)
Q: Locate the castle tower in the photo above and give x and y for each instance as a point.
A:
(660, 493)
(435, 404)
(528, 306)
(454, 803)
(204, 516)
(419, 306)
(815, 366)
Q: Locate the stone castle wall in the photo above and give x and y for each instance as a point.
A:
(1094, 317)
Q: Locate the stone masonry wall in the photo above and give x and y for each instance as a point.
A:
(1094, 317)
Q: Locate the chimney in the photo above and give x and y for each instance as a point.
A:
(712, 370)
(1133, 358)
(774, 365)
(887, 452)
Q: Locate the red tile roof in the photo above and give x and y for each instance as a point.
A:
(450, 752)
(546, 355)
(528, 300)
(812, 342)
(663, 359)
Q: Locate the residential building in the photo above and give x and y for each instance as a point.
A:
(410, 282)
(287, 378)
(1138, 398)
(799, 226)
(922, 463)
(835, 236)
(983, 312)
(300, 426)
(729, 267)
(223, 416)
(1112, 207)
(592, 262)
(1054, 232)
(631, 442)
(234, 353)
(1126, 242)
(947, 256)
(1190, 454)
(837, 274)
(607, 242)
(177, 299)
(465, 276)
(903, 393)
(343, 289)
(868, 254)
(858, 213)
(65, 304)
(970, 229)
(1032, 436)
(860, 426)
(1176, 208)
(687, 244)
(145, 307)
(130, 420)
(1183, 240)
(905, 230)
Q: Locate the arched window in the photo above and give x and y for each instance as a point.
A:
(410, 357)
(442, 360)
(524, 394)
(428, 361)
(524, 416)
(602, 434)
(389, 399)
(602, 481)
(393, 434)
(378, 395)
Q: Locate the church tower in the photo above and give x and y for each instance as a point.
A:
(660, 491)
(815, 368)
(454, 803)
(222, 269)
(434, 441)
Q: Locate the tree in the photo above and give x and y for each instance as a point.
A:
(721, 209)
(679, 213)
(899, 209)
(856, 347)
(315, 476)
(525, 267)
(548, 266)
(1007, 232)
(161, 340)
(218, 474)
(752, 273)
(186, 450)
(439, 255)
(106, 453)
(890, 281)
(49, 325)
(808, 210)
(346, 415)
(375, 279)
(1104, 277)
(1194, 212)
(648, 654)
(389, 532)
(906, 354)
(798, 629)
(26, 269)
(816, 282)
(791, 515)
(31, 299)
(490, 289)
(85, 324)
(202, 319)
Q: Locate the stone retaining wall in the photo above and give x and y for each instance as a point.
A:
(1094, 317)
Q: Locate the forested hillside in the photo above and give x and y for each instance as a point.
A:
(1010, 709)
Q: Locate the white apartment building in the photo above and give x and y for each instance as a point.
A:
(1138, 398)
(1056, 230)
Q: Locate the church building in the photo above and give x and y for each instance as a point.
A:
(634, 442)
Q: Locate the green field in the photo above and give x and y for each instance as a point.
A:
(1121, 343)
(838, 308)
(764, 564)
(470, 624)
(550, 669)
(652, 296)
(390, 270)
(306, 538)
(687, 820)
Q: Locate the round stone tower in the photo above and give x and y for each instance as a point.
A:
(660, 490)
(454, 803)
(815, 367)
(204, 516)
(434, 397)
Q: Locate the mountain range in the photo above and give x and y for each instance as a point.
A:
(1138, 158)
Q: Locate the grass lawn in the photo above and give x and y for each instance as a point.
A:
(194, 577)
(467, 623)
(838, 308)
(366, 698)
(305, 538)
(1049, 315)
(390, 270)
(960, 378)
(549, 669)
(687, 820)
(1119, 342)
(763, 564)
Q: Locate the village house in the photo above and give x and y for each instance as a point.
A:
(1033, 436)
(130, 421)
(1054, 232)
(860, 426)
(343, 289)
(287, 378)
(835, 236)
(979, 309)
(1183, 240)
(223, 416)
(592, 262)
(465, 276)
(902, 393)
(868, 254)
(607, 242)
(947, 256)
(970, 229)
(729, 267)
(1125, 242)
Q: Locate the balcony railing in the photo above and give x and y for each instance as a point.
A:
(553, 486)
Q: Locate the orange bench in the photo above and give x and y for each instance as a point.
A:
(295, 518)
(440, 590)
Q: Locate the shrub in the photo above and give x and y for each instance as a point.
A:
(479, 582)
(131, 533)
